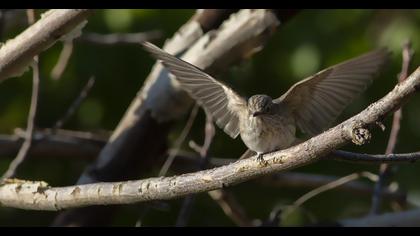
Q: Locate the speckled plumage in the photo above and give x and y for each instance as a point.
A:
(267, 132)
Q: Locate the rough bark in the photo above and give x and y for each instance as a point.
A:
(17, 54)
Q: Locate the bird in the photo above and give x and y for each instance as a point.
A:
(267, 124)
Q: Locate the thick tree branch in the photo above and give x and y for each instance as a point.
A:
(67, 144)
(17, 54)
(39, 196)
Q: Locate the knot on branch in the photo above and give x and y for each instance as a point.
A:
(360, 136)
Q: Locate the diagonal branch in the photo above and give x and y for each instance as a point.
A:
(76, 103)
(306, 180)
(39, 196)
(17, 54)
(167, 164)
(326, 187)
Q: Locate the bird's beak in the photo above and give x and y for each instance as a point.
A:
(257, 113)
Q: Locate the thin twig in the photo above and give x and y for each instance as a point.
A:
(329, 186)
(120, 38)
(340, 155)
(306, 180)
(385, 170)
(332, 185)
(76, 103)
(186, 208)
(179, 141)
(30, 14)
(23, 152)
(73, 145)
(231, 207)
(63, 60)
(223, 198)
(168, 162)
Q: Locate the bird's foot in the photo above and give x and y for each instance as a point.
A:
(260, 159)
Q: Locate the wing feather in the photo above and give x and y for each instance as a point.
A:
(318, 100)
(217, 99)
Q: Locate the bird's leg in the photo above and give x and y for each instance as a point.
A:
(260, 157)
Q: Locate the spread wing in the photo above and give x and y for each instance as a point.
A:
(318, 100)
(217, 99)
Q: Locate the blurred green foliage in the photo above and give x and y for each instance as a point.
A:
(309, 42)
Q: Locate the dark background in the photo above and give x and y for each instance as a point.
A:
(309, 42)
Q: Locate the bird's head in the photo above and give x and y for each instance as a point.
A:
(260, 105)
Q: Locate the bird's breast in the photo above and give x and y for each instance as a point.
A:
(267, 132)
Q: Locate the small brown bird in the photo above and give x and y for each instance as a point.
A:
(267, 124)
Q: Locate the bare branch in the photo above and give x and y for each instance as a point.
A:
(172, 155)
(73, 107)
(373, 158)
(17, 54)
(38, 196)
(329, 186)
(30, 14)
(305, 180)
(119, 38)
(179, 141)
(63, 60)
(23, 152)
(58, 145)
(231, 207)
(186, 208)
(323, 188)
